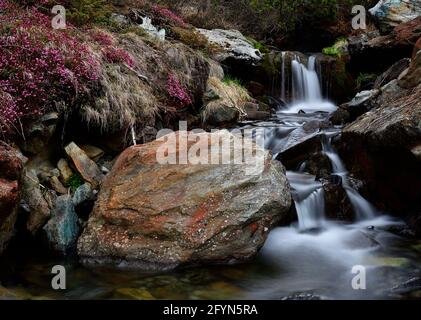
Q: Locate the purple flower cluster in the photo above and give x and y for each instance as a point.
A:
(118, 55)
(169, 15)
(177, 92)
(38, 64)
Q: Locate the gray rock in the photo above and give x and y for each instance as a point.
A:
(233, 45)
(62, 229)
(84, 199)
(390, 13)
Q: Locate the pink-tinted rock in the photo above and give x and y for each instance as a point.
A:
(11, 164)
(84, 165)
(160, 216)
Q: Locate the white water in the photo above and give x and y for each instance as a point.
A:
(314, 253)
(305, 92)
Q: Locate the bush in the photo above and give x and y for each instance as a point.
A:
(86, 12)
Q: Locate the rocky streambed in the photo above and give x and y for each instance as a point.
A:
(333, 188)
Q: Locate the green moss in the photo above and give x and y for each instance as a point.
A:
(232, 81)
(75, 181)
(365, 78)
(258, 45)
(337, 50)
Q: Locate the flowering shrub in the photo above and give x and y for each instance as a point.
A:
(118, 55)
(38, 64)
(102, 38)
(168, 15)
(177, 92)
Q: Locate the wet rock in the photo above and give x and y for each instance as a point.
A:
(371, 52)
(391, 13)
(253, 112)
(411, 285)
(33, 197)
(233, 45)
(62, 229)
(39, 134)
(341, 116)
(417, 47)
(380, 139)
(84, 165)
(392, 73)
(84, 199)
(319, 165)
(158, 216)
(11, 165)
(412, 76)
(362, 102)
(337, 204)
(65, 171)
(57, 186)
(92, 152)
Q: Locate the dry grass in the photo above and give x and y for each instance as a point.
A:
(137, 96)
(230, 95)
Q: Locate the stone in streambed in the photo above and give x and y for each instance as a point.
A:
(84, 165)
(62, 229)
(160, 216)
(65, 171)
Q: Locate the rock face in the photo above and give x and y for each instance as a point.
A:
(390, 13)
(233, 45)
(382, 146)
(160, 216)
(371, 52)
(11, 165)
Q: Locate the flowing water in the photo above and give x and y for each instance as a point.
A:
(314, 258)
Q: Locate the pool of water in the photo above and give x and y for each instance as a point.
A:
(315, 264)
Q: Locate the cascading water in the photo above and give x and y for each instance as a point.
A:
(305, 92)
(362, 208)
(315, 253)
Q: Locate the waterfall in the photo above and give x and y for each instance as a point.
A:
(283, 78)
(309, 200)
(306, 91)
(362, 208)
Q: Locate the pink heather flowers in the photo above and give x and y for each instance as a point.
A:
(177, 92)
(118, 55)
(169, 15)
(38, 64)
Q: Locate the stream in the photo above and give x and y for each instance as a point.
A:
(313, 258)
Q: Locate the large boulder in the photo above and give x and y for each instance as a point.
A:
(382, 147)
(371, 52)
(391, 13)
(11, 165)
(232, 45)
(160, 216)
